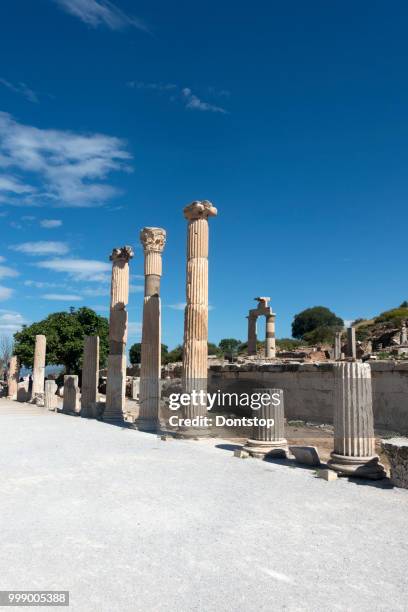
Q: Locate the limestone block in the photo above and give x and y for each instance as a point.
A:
(328, 475)
(307, 455)
(396, 450)
(50, 398)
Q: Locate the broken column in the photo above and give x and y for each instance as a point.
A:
(270, 342)
(195, 346)
(71, 394)
(268, 436)
(351, 342)
(51, 400)
(116, 377)
(354, 442)
(153, 240)
(252, 319)
(337, 346)
(90, 376)
(37, 394)
(12, 377)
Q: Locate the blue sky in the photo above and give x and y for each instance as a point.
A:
(290, 117)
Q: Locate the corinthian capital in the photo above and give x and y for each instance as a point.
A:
(199, 210)
(153, 239)
(125, 253)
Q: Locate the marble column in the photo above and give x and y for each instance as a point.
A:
(351, 342)
(12, 377)
(71, 394)
(270, 342)
(354, 442)
(37, 394)
(118, 327)
(51, 400)
(337, 345)
(268, 439)
(90, 377)
(195, 346)
(252, 334)
(153, 240)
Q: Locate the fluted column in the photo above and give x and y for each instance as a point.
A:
(354, 442)
(90, 377)
(12, 377)
(118, 326)
(195, 347)
(51, 400)
(351, 342)
(153, 240)
(37, 394)
(270, 342)
(251, 334)
(267, 438)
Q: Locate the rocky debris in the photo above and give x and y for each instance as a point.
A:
(396, 450)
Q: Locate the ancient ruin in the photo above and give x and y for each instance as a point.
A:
(195, 351)
(39, 369)
(263, 309)
(12, 377)
(153, 240)
(71, 403)
(118, 329)
(90, 375)
(51, 400)
(268, 438)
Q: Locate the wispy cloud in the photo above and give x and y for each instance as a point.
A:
(41, 248)
(50, 223)
(69, 167)
(43, 284)
(79, 269)
(101, 12)
(21, 89)
(178, 306)
(62, 297)
(6, 272)
(10, 321)
(184, 95)
(5, 293)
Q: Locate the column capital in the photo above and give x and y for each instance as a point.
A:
(199, 210)
(122, 253)
(153, 239)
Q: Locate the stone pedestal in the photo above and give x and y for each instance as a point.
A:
(12, 377)
(118, 326)
(153, 240)
(351, 342)
(51, 400)
(39, 370)
(195, 351)
(269, 440)
(396, 450)
(71, 395)
(90, 374)
(354, 442)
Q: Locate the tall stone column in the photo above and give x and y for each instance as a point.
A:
(118, 327)
(268, 438)
(337, 346)
(354, 442)
(351, 342)
(153, 240)
(252, 333)
(12, 377)
(90, 377)
(195, 347)
(37, 394)
(270, 342)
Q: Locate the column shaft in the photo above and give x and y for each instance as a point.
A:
(90, 377)
(270, 342)
(252, 334)
(269, 438)
(39, 368)
(12, 377)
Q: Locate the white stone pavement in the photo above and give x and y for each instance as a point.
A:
(127, 522)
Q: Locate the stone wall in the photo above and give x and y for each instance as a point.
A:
(309, 389)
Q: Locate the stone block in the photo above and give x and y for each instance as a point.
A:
(307, 455)
(396, 450)
(328, 475)
(241, 454)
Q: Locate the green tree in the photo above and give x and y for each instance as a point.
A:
(229, 346)
(287, 344)
(135, 353)
(65, 333)
(393, 317)
(175, 355)
(312, 318)
(213, 349)
(322, 335)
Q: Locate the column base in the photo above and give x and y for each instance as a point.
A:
(357, 467)
(259, 449)
(147, 425)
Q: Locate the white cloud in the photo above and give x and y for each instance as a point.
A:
(62, 297)
(177, 306)
(5, 272)
(2, 258)
(97, 292)
(50, 223)
(43, 284)
(136, 288)
(79, 269)
(10, 321)
(70, 167)
(5, 293)
(22, 89)
(100, 12)
(42, 247)
(193, 102)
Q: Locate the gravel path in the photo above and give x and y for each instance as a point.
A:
(127, 522)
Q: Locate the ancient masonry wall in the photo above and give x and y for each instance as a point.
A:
(309, 389)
